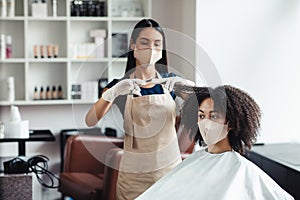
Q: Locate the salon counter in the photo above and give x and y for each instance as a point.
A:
(34, 136)
(280, 161)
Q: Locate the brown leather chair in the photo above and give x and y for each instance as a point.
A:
(111, 172)
(83, 174)
(112, 165)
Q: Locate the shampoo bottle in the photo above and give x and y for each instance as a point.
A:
(11, 89)
(3, 47)
(8, 47)
(11, 8)
(3, 8)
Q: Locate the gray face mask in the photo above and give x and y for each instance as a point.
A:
(212, 132)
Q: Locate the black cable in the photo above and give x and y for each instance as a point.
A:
(39, 166)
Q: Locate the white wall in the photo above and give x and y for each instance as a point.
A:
(177, 17)
(255, 45)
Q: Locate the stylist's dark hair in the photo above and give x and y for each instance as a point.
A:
(242, 114)
(162, 64)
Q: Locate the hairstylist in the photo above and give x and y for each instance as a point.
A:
(145, 97)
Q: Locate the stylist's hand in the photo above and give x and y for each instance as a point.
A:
(171, 81)
(124, 87)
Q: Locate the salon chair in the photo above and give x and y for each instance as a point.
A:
(111, 171)
(84, 166)
(112, 164)
(91, 165)
(66, 133)
(113, 159)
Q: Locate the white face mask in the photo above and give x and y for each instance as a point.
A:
(147, 57)
(212, 132)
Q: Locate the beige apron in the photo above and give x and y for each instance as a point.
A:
(150, 143)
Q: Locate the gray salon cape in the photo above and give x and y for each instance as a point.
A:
(220, 176)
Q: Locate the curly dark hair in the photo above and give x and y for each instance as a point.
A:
(242, 114)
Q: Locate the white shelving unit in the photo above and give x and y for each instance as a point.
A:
(63, 30)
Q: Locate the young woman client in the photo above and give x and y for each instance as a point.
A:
(226, 119)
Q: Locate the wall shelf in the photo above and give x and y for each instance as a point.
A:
(12, 18)
(47, 60)
(89, 18)
(90, 60)
(63, 30)
(13, 60)
(47, 19)
(127, 19)
(45, 102)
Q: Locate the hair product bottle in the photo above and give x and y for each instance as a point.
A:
(35, 93)
(3, 8)
(8, 47)
(36, 51)
(48, 93)
(11, 89)
(3, 48)
(54, 92)
(54, 8)
(60, 92)
(42, 51)
(55, 51)
(42, 93)
(11, 8)
(49, 51)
